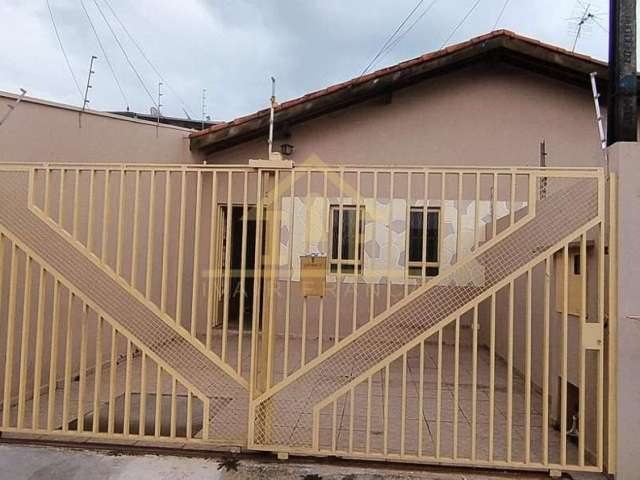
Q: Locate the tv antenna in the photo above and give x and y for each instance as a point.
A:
(581, 23)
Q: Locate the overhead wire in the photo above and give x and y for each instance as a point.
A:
(408, 29)
(64, 53)
(104, 54)
(146, 58)
(126, 56)
(460, 23)
(392, 36)
(504, 7)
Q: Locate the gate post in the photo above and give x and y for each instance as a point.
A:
(262, 361)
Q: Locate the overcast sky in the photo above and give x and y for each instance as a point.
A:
(232, 47)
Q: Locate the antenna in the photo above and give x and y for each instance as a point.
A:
(85, 101)
(11, 108)
(204, 106)
(271, 115)
(585, 16)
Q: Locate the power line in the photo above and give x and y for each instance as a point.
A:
(104, 53)
(464, 19)
(137, 45)
(64, 53)
(392, 36)
(408, 29)
(504, 7)
(124, 52)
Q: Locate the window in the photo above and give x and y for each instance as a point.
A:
(345, 238)
(424, 257)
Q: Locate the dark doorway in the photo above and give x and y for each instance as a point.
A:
(238, 287)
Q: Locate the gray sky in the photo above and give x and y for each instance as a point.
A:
(232, 47)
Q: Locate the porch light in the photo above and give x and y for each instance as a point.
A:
(286, 149)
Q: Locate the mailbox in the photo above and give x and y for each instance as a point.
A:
(313, 275)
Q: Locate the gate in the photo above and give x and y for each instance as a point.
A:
(436, 315)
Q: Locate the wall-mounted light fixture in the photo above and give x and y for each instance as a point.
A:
(286, 149)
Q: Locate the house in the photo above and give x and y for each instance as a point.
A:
(406, 282)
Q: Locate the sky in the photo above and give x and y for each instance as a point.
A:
(231, 48)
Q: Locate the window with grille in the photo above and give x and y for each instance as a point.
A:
(347, 234)
(424, 242)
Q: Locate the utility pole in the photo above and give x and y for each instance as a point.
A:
(622, 110)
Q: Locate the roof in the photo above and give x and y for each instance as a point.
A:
(502, 45)
(177, 121)
(88, 111)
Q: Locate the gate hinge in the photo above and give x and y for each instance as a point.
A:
(592, 336)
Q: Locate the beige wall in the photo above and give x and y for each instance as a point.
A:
(475, 116)
(625, 161)
(38, 131)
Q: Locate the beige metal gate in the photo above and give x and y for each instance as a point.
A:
(461, 319)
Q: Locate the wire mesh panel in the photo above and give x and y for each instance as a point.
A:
(173, 347)
(70, 371)
(293, 414)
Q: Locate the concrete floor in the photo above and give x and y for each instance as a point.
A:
(22, 462)
(428, 416)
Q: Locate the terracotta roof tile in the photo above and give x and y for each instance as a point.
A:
(392, 69)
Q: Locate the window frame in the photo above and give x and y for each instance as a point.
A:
(424, 264)
(336, 265)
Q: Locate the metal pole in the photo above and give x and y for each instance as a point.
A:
(272, 114)
(85, 100)
(622, 103)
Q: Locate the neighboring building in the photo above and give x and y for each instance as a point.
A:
(43, 131)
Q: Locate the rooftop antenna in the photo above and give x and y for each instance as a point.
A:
(585, 16)
(12, 107)
(271, 116)
(204, 106)
(85, 100)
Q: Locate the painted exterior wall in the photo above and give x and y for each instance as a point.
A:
(625, 158)
(476, 116)
(39, 131)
